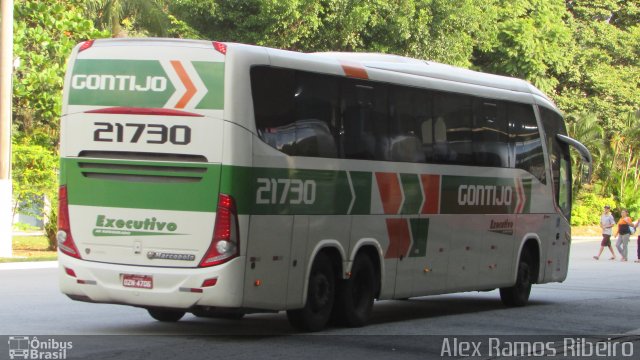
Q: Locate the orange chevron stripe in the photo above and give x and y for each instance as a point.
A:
(390, 192)
(431, 189)
(191, 89)
(399, 238)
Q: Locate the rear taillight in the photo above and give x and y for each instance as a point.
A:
(65, 240)
(225, 244)
(220, 47)
(85, 45)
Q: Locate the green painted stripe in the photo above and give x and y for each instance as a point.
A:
(264, 191)
(362, 182)
(152, 190)
(212, 75)
(412, 194)
(420, 233)
(270, 191)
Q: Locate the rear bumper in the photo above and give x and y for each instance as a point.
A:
(172, 287)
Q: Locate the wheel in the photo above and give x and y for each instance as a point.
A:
(320, 297)
(165, 315)
(518, 294)
(355, 295)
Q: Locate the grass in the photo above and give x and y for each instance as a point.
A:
(30, 248)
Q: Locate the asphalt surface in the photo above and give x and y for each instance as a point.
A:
(599, 300)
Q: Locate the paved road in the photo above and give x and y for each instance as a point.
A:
(599, 298)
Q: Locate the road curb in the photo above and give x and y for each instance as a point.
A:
(26, 265)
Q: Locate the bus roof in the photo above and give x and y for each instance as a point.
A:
(431, 69)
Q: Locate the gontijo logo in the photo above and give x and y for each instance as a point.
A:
(175, 84)
(119, 82)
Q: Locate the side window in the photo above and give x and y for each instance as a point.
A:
(490, 136)
(273, 105)
(452, 136)
(365, 121)
(316, 115)
(296, 112)
(409, 110)
(558, 158)
(525, 140)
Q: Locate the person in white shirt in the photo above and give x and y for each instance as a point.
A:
(606, 223)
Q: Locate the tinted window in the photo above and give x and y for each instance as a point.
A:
(525, 138)
(296, 112)
(409, 110)
(452, 129)
(365, 121)
(558, 157)
(490, 136)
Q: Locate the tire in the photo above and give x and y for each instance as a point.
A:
(518, 294)
(165, 315)
(316, 313)
(355, 295)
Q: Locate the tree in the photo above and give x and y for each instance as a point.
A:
(45, 33)
(533, 42)
(143, 17)
(605, 74)
(586, 128)
(438, 30)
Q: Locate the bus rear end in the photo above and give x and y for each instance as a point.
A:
(141, 218)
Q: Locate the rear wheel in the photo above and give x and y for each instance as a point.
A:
(320, 297)
(166, 315)
(518, 294)
(356, 294)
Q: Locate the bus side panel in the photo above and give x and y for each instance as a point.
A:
(298, 262)
(558, 245)
(430, 276)
(268, 259)
(496, 250)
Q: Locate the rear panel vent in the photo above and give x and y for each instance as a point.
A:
(142, 156)
(125, 168)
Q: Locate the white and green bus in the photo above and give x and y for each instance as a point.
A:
(221, 179)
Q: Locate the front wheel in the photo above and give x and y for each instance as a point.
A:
(518, 294)
(320, 297)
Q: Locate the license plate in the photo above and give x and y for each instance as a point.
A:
(137, 281)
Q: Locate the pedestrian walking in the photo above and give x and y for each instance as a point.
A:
(622, 244)
(606, 223)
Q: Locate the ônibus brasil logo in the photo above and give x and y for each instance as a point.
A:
(106, 226)
(25, 347)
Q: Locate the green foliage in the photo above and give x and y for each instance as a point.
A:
(123, 17)
(588, 208)
(44, 35)
(605, 75)
(34, 177)
(533, 42)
